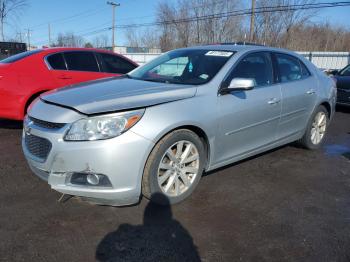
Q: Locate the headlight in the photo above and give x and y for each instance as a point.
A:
(103, 127)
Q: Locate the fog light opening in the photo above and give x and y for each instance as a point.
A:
(89, 179)
(93, 179)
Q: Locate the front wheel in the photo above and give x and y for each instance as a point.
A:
(174, 167)
(316, 129)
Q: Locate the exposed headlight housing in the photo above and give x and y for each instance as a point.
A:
(103, 127)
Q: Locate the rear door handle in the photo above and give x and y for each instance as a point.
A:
(273, 101)
(311, 92)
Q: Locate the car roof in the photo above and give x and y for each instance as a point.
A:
(61, 49)
(238, 48)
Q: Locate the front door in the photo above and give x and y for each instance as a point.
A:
(249, 119)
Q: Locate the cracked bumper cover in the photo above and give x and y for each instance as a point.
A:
(121, 159)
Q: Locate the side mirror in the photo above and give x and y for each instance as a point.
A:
(334, 72)
(241, 84)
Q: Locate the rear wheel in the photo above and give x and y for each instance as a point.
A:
(316, 129)
(174, 167)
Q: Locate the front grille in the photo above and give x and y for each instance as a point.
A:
(38, 146)
(45, 124)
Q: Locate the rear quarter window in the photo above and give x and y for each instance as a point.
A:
(56, 62)
(115, 64)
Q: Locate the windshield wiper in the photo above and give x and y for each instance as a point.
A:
(154, 80)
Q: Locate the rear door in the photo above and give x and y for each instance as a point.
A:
(299, 95)
(73, 67)
(249, 119)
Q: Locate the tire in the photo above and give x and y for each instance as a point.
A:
(174, 173)
(308, 140)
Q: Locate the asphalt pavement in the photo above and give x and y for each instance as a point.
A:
(288, 204)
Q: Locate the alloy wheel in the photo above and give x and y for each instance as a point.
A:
(178, 168)
(318, 128)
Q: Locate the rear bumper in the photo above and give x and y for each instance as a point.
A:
(121, 159)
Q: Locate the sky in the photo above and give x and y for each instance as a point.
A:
(83, 17)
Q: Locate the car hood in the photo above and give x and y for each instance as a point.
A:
(343, 82)
(117, 94)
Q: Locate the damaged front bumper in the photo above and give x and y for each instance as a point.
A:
(121, 160)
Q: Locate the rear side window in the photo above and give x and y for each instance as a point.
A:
(290, 68)
(257, 66)
(115, 64)
(56, 62)
(19, 56)
(81, 61)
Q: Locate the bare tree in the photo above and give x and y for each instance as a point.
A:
(9, 8)
(142, 38)
(69, 40)
(280, 23)
(133, 38)
(189, 22)
(320, 37)
(277, 27)
(150, 38)
(101, 41)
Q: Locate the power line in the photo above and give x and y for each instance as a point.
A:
(86, 13)
(242, 12)
(258, 10)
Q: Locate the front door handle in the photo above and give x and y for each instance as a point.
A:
(273, 101)
(311, 92)
(64, 77)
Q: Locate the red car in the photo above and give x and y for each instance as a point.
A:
(24, 76)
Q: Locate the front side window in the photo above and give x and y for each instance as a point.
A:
(345, 71)
(81, 61)
(255, 66)
(186, 66)
(115, 64)
(289, 68)
(56, 62)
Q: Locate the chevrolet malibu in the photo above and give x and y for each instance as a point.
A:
(158, 128)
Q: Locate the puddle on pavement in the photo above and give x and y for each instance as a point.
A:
(337, 150)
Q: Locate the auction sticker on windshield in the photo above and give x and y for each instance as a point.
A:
(219, 53)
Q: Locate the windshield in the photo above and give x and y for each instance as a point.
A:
(345, 71)
(19, 56)
(188, 66)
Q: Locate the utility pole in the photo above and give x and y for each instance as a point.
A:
(49, 27)
(252, 18)
(20, 37)
(28, 38)
(114, 5)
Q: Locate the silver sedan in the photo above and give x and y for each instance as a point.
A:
(157, 129)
